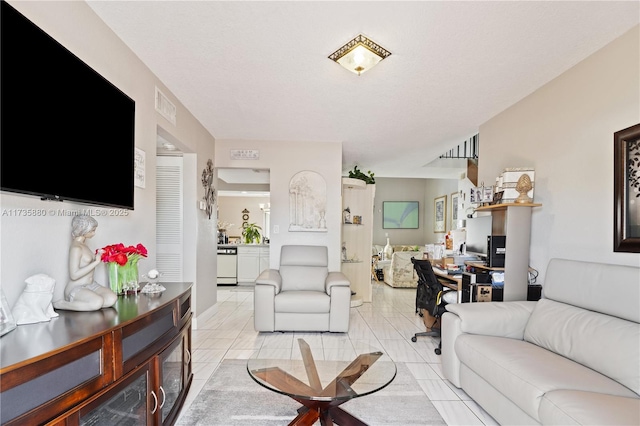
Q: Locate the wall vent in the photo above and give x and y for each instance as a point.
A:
(165, 107)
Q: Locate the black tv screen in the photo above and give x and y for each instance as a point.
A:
(66, 132)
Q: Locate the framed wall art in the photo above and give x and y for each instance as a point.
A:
(454, 206)
(626, 190)
(440, 214)
(400, 214)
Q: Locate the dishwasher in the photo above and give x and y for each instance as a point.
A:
(227, 266)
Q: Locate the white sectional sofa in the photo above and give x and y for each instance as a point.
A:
(571, 358)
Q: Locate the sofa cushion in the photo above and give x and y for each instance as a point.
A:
(304, 302)
(304, 277)
(303, 267)
(595, 286)
(524, 372)
(569, 407)
(588, 338)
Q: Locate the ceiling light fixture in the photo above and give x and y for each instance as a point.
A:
(360, 54)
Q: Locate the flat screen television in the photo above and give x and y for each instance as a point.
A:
(67, 133)
(400, 215)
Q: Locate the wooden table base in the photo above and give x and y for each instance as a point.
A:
(325, 409)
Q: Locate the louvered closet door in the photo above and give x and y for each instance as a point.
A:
(169, 217)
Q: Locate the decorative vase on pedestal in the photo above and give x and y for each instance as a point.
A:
(387, 251)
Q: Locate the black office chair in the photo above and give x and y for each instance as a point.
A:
(429, 297)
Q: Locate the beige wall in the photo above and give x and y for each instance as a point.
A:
(284, 160)
(40, 245)
(565, 131)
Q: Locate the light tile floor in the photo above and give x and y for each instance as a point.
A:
(386, 324)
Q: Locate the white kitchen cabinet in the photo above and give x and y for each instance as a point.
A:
(252, 259)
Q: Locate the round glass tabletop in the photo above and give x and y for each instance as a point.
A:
(307, 379)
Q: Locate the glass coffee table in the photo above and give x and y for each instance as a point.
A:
(322, 386)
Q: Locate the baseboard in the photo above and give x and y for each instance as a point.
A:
(204, 317)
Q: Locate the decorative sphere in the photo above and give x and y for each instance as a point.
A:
(153, 274)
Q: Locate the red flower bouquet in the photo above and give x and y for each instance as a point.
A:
(123, 266)
(121, 255)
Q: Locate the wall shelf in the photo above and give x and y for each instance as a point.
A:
(358, 237)
(495, 207)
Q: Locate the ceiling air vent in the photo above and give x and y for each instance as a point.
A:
(165, 107)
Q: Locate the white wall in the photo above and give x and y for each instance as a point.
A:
(40, 245)
(565, 131)
(284, 160)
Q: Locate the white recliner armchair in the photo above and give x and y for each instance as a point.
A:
(302, 295)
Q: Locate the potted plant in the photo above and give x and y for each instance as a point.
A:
(359, 174)
(251, 234)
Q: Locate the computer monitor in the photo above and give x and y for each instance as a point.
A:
(478, 229)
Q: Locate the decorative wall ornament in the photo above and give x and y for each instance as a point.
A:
(210, 191)
(139, 170)
(307, 202)
(245, 218)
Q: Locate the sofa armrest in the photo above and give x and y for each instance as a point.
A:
(502, 319)
(270, 277)
(335, 279)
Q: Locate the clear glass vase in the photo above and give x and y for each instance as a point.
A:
(123, 278)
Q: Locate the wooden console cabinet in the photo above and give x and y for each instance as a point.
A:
(130, 364)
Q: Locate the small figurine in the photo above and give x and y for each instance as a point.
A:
(346, 214)
(82, 293)
(34, 304)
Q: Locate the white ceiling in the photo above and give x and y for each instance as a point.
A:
(259, 70)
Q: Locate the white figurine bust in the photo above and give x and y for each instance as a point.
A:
(34, 304)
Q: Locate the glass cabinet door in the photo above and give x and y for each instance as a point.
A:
(171, 376)
(125, 406)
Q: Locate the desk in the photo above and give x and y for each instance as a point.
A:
(447, 280)
(450, 282)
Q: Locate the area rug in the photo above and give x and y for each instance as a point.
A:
(231, 398)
